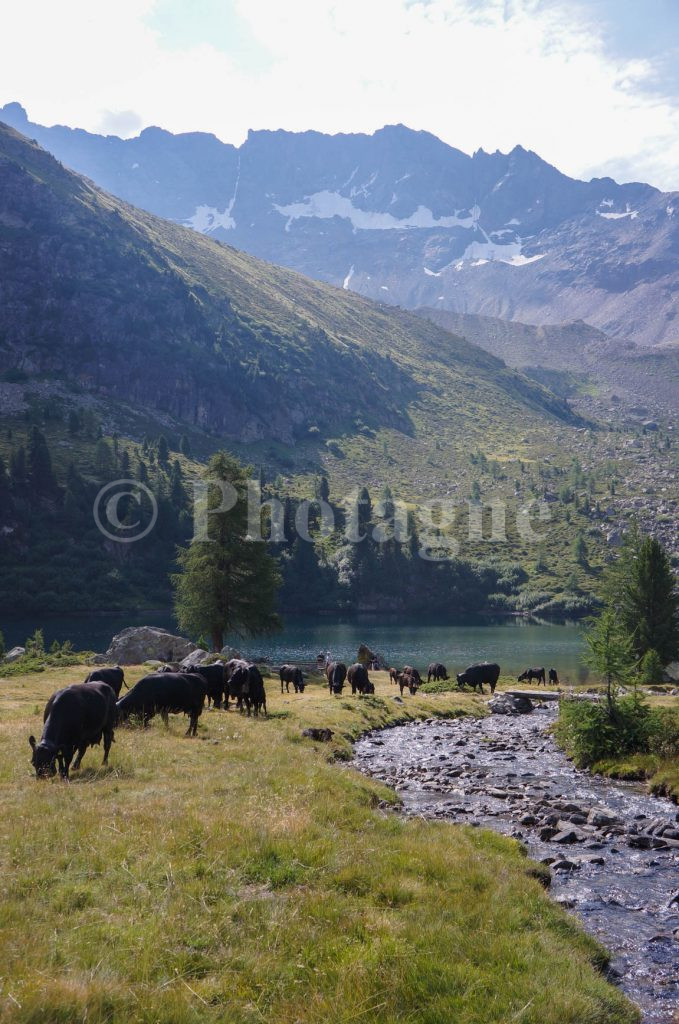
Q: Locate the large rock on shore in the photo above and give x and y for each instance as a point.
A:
(510, 704)
(367, 657)
(14, 654)
(137, 644)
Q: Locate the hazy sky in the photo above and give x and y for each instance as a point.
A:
(591, 85)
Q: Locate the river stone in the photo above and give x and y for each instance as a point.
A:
(14, 654)
(565, 865)
(567, 836)
(138, 644)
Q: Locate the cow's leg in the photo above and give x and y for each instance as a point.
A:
(65, 762)
(79, 756)
(165, 717)
(108, 740)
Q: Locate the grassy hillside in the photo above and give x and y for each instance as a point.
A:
(148, 328)
(250, 875)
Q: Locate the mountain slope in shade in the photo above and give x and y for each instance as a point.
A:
(405, 219)
(637, 374)
(122, 307)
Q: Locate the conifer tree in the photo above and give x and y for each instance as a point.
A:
(225, 583)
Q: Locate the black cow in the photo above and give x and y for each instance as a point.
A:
(409, 679)
(436, 671)
(336, 673)
(166, 693)
(292, 674)
(233, 682)
(115, 677)
(246, 686)
(530, 674)
(215, 682)
(477, 675)
(75, 718)
(553, 677)
(359, 679)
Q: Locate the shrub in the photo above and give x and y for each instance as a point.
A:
(589, 733)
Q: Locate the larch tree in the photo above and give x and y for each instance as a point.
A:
(227, 583)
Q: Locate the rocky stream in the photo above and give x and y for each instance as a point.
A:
(613, 850)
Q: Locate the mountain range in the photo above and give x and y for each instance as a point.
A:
(404, 219)
(103, 303)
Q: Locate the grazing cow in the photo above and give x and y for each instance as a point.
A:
(166, 693)
(409, 679)
(292, 674)
(553, 677)
(359, 679)
(214, 677)
(115, 677)
(436, 671)
(393, 675)
(532, 673)
(233, 682)
(247, 687)
(75, 718)
(336, 673)
(477, 675)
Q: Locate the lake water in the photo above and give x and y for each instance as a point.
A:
(514, 643)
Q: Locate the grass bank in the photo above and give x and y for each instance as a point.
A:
(640, 743)
(252, 875)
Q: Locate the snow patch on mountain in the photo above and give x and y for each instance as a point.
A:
(347, 279)
(207, 219)
(628, 212)
(325, 205)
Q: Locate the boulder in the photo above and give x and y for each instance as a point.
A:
(138, 644)
(367, 657)
(195, 658)
(320, 735)
(14, 654)
(504, 704)
(602, 816)
(230, 652)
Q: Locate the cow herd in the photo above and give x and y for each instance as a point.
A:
(81, 715)
(84, 714)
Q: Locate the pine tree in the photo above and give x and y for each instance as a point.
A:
(17, 468)
(226, 584)
(40, 474)
(610, 653)
(649, 608)
(163, 450)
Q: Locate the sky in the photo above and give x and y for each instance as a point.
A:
(590, 85)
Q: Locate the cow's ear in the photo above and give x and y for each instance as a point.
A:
(31, 740)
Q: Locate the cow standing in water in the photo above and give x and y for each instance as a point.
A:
(75, 718)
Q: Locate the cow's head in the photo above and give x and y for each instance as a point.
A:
(43, 760)
(461, 679)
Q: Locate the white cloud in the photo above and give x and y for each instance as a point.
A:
(489, 74)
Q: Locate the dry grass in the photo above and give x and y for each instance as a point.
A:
(249, 875)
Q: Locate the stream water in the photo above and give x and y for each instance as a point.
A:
(613, 849)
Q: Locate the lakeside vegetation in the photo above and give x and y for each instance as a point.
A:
(634, 637)
(250, 874)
